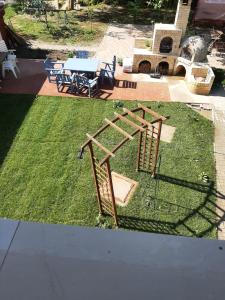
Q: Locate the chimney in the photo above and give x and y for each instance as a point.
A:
(182, 15)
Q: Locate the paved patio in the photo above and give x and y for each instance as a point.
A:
(119, 40)
(33, 80)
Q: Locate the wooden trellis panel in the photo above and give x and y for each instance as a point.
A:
(148, 149)
(104, 187)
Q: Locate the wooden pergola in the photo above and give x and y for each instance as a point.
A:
(147, 156)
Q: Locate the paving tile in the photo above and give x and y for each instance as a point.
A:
(32, 80)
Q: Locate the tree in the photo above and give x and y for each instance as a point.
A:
(157, 3)
(134, 8)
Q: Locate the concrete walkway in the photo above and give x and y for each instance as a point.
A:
(119, 40)
(219, 121)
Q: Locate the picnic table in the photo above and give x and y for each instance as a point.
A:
(82, 65)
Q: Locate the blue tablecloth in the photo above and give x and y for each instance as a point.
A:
(81, 65)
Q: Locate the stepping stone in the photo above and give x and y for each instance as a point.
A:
(124, 188)
(167, 133)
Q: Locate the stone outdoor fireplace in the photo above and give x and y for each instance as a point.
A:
(168, 56)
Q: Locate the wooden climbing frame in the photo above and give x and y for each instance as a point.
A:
(148, 149)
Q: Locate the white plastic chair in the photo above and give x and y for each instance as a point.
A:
(12, 58)
(10, 66)
(3, 48)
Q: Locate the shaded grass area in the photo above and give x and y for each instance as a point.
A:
(81, 28)
(60, 31)
(41, 178)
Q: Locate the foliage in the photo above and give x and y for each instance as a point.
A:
(10, 12)
(120, 61)
(42, 180)
(157, 4)
(134, 8)
(118, 104)
(148, 43)
(71, 54)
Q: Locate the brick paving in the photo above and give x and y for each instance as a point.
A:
(33, 80)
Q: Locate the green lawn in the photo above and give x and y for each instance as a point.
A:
(77, 30)
(41, 178)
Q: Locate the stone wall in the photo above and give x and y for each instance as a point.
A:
(199, 72)
(199, 88)
(204, 87)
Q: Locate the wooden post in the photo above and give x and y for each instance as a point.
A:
(157, 148)
(95, 177)
(151, 142)
(112, 192)
(139, 144)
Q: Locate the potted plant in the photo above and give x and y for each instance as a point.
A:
(120, 61)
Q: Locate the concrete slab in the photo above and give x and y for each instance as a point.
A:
(167, 133)
(124, 188)
(7, 231)
(55, 262)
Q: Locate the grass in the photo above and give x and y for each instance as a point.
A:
(41, 178)
(80, 31)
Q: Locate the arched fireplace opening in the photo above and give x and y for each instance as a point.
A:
(144, 67)
(166, 45)
(163, 68)
(180, 71)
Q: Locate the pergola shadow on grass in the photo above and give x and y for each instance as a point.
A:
(42, 180)
(202, 211)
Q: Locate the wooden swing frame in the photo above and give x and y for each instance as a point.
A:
(147, 156)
